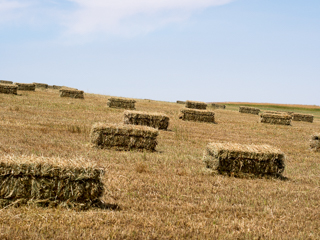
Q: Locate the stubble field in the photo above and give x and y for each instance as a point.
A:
(165, 194)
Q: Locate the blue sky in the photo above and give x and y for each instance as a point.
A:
(205, 50)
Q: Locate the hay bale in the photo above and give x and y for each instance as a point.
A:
(56, 87)
(315, 142)
(197, 115)
(8, 89)
(49, 181)
(155, 120)
(123, 137)
(71, 93)
(181, 102)
(126, 103)
(196, 105)
(279, 112)
(280, 119)
(26, 86)
(302, 117)
(241, 160)
(218, 106)
(5, 82)
(41, 85)
(250, 110)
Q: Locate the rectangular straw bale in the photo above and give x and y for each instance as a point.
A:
(196, 105)
(26, 86)
(49, 180)
(155, 120)
(302, 117)
(8, 88)
(315, 142)
(181, 102)
(240, 160)
(251, 110)
(56, 87)
(280, 112)
(41, 85)
(5, 82)
(280, 119)
(71, 93)
(123, 137)
(197, 115)
(218, 106)
(126, 103)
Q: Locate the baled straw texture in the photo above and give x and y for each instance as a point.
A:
(49, 181)
(56, 87)
(8, 89)
(196, 105)
(123, 137)
(181, 102)
(302, 117)
(250, 110)
(126, 103)
(155, 120)
(315, 142)
(279, 112)
(197, 115)
(280, 119)
(241, 160)
(41, 85)
(218, 106)
(5, 82)
(26, 86)
(71, 93)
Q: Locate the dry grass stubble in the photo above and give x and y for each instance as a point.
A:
(165, 194)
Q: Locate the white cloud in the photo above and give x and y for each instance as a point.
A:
(118, 16)
(89, 17)
(8, 10)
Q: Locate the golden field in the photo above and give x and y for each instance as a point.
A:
(164, 194)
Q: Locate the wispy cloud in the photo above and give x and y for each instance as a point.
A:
(136, 15)
(86, 17)
(9, 10)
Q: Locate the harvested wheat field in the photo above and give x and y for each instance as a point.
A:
(164, 194)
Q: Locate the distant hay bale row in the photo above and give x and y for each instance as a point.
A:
(41, 85)
(241, 160)
(71, 93)
(218, 106)
(315, 142)
(302, 117)
(26, 86)
(5, 82)
(49, 181)
(196, 105)
(181, 102)
(8, 89)
(123, 137)
(280, 119)
(197, 115)
(155, 120)
(125, 103)
(250, 110)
